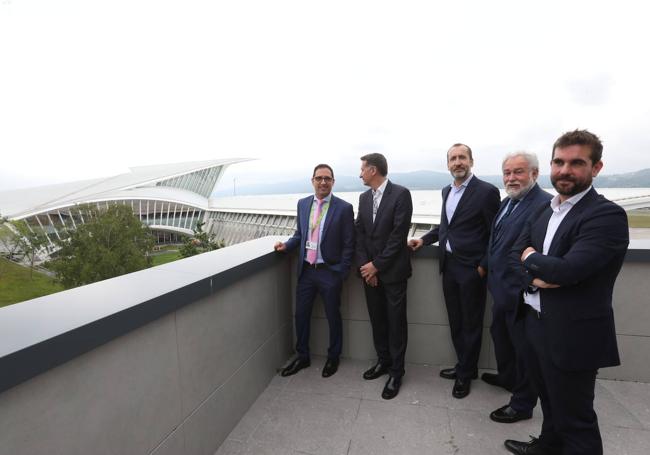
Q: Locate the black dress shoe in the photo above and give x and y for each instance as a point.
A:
(295, 366)
(527, 448)
(461, 388)
(506, 414)
(450, 373)
(493, 379)
(391, 389)
(331, 367)
(379, 369)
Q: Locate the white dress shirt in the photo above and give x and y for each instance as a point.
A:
(560, 210)
(453, 198)
(378, 197)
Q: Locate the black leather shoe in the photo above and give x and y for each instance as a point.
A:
(527, 448)
(506, 414)
(450, 373)
(295, 366)
(391, 389)
(461, 388)
(379, 369)
(331, 367)
(493, 379)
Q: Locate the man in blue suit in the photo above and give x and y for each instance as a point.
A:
(571, 252)
(520, 171)
(324, 238)
(468, 208)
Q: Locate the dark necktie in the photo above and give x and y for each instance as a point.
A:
(511, 206)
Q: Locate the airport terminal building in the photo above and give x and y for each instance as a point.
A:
(170, 198)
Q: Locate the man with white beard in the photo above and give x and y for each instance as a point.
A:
(520, 171)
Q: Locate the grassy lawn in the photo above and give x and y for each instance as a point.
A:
(639, 219)
(16, 286)
(164, 258)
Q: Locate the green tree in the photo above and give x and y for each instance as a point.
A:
(19, 240)
(200, 242)
(111, 243)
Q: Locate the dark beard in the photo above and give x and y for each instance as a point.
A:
(578, 187)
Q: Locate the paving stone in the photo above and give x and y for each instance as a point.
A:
(394, 428)
(474, 433)
(306, 422)
(634, 396)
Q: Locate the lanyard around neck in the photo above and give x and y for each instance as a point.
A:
(313, 225)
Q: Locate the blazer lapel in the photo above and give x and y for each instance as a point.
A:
(467, 196)
(306, 211)
(382, 204)
(569, 219)
(445, 194)
(539, 229)
(329, 216)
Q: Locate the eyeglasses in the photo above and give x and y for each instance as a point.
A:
(321, 179)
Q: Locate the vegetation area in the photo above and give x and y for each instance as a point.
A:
(17, 286)
(164, 258)
(112, 243)
(199, 242)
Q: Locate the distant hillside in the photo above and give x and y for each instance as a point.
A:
(428, 180)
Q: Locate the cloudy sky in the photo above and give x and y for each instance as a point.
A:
(89, 88)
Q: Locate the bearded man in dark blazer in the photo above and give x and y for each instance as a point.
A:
(520, 171)
(384, 260)
(468, 208)
(571, 252)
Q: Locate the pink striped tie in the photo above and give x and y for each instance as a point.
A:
(312, 255)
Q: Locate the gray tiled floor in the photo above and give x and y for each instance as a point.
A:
(345, 415)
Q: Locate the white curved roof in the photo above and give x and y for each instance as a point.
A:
(131, 185)
(426, 203)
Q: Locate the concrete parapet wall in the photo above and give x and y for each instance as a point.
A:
(175, 385)
(167, 360)
(430, 339)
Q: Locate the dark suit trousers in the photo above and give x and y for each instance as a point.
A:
(465, 292)
(567, 397)
(328, 284)
(387, 311)
(509, 341)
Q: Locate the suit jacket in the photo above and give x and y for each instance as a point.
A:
(384, 242)
(503, 282)
(337, 240)
(469, 230)
(584, 258)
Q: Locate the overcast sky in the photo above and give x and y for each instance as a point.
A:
(89, 88)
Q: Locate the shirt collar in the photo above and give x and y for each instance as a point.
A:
(326, 198)
(464, 184)
(573, 200)
(382, 187)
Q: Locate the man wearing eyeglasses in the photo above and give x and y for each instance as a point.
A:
(324, 238)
